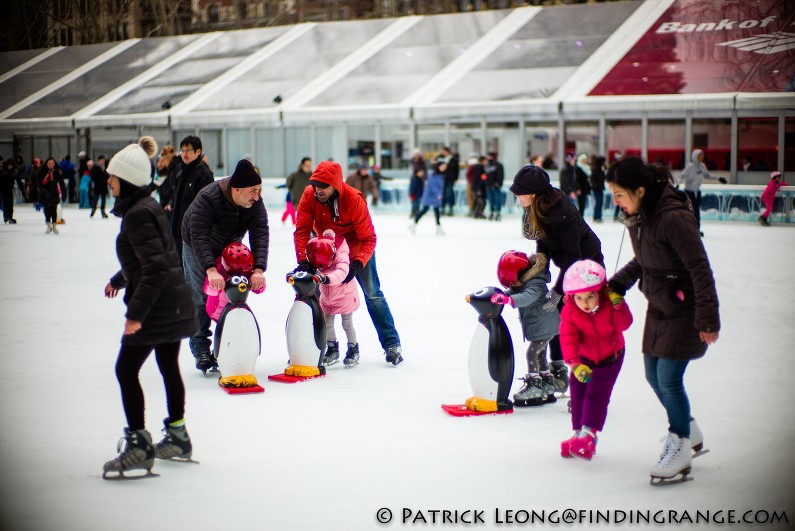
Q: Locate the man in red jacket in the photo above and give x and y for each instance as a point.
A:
(329, 203)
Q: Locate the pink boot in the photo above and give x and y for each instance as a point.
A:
(565, 446)
(584, 446)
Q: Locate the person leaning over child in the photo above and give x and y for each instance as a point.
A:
(591, 337)
(330, 254)
(526, 280)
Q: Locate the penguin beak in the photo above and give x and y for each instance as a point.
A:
(467, 298)
(291, 280)
(241, 287)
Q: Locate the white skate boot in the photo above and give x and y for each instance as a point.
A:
(675, 461)
(696, 439)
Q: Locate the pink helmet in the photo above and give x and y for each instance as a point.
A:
(585, 275)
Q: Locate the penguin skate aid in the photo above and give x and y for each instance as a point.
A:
(682, 316)
(329, 203)
(490, 359)
(592, 342)
(525, 279)
(237, 334)
(329, 255)
(161, 317)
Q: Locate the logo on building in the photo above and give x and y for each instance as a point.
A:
(764, 44)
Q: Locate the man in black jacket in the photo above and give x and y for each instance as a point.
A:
(193, 176)
(222, 213)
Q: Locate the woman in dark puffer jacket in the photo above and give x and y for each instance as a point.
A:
(675, 276)
(160, 310)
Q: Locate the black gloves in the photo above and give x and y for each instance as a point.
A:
(617, 287)
(355, 267)
(305, 265)
(722, 180)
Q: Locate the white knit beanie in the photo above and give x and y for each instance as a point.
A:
(132, 163)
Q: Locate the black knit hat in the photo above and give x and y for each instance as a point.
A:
(530, 180)
(245, 175)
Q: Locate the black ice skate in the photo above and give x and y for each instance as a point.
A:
(138, 454)
(205, 362)
(175, 445)
(351, 356)
(332, 354)
(531, 393)
(561, 375)
(394, 355)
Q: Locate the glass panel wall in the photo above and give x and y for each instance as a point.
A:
(667, 143)
(361, 146)
(582, 137)
(430, 139)
(238, 146)
(395, 152)
(466, 140)
(542, 141)
(789, 144)
(713, 136)
(757, 148)
(623, 137)
(211, 147)
(268, 153)
(503, 139)
(297, 146)
(331, 144)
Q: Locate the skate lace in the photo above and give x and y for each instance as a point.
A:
(670, 452)
(126, 448)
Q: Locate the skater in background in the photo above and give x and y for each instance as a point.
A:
(526, 280)
(235, 259)
(495, 174)
(692, 177)
(769, 196)
(416, 188)
(85, 186)
(298, 181)
(289, 209)
(592, 340)
(49, 182)
(7, 178)
(598, 186)
(191, 178)
(222, 213)
(329, 253)
(168, 167)
(331, 204)
(160, 311)
(432, 195)
(583, 175)
(682, 315)
(364, 182)
(99, 178)
(561, 234)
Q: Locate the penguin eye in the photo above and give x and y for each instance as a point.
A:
(236, 279)
(481, 292)
(300, 274)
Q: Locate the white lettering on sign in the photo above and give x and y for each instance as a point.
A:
(725, 24)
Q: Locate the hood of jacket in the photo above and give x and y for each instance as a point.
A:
(694, 155)
(329, 173)
(540, 265)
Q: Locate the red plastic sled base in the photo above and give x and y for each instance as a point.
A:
(286, 378)
(460, 410)
(243, 390)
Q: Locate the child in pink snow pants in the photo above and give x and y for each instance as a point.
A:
(769, 196)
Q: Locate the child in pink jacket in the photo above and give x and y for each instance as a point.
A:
(591, 337)
(769, 196)
(329, 254)
(235, 259)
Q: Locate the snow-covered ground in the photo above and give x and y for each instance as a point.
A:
(329, 453)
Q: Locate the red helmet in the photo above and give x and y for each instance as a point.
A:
(510, 266)
(320, 251)
(237, 259)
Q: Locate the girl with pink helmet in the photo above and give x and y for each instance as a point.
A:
(591, 337)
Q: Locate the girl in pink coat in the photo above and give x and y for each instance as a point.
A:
(592, 323)
(235, 259)
(330, 255)
(769, 195)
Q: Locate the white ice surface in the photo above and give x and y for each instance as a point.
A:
(327, 454)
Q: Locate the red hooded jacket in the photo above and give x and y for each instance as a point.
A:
(346, 213)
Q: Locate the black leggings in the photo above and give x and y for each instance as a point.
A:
(51, 212)
(424, 209)
(128, 365)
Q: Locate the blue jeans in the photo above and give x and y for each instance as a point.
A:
(377, 306)
(666, 378)
(195, 276)
(598, 200)
(494, 196)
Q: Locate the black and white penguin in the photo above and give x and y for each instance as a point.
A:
(490, 359)
(305, 331)
(237, 339)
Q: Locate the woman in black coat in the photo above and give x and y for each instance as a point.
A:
(675, 276)
(50, 184)
(561, 234)
(160, 310)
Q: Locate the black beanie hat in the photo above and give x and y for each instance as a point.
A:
(530, 180)
(245, 175)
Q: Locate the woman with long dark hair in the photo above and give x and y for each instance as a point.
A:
(561, 234)
(160, 310)
(675, 276)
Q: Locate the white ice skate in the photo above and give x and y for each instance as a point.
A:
(697, 439)
(675, 462)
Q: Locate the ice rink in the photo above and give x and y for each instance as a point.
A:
(330, 453)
